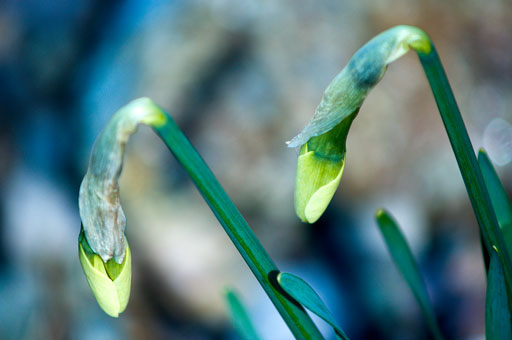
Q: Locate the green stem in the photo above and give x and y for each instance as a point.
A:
(237, 229)
(465, 155)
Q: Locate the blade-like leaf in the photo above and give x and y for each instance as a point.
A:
(322, 142)
(501, 237)
(239, 317)
(497, 314)
(404, 260)
(499, 198)
(301, 291)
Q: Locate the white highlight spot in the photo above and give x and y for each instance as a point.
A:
(498, 141)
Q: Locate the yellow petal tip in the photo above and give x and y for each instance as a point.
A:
(317, 181)
(112, 295)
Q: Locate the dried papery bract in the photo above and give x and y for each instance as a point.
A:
(323, 140)
(102, 216)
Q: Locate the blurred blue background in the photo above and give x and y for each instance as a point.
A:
(241, 78)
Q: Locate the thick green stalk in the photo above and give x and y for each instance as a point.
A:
(465, 155)
(237, 228)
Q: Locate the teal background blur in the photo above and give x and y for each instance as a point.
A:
(241, 78)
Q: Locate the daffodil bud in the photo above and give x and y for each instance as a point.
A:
(102, 216)
(103, 250)
(110, 282)
(323, 140)
(319, 169)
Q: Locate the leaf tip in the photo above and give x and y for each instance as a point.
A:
(380, 213)
(482, 153)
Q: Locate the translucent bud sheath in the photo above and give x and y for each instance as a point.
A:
(102, 217)
(322, 156)
(109, 282)
(364, 70)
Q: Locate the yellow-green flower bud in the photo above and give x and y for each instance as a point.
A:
(109, 282)
(322, 156)
(102, 216)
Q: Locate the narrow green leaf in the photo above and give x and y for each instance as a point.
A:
(406, 264)
(485, 245)
(466, 158)
(497, 314)
(323, 140)
(301, 291)
(239, 317)
(500, 239)
(499, 198)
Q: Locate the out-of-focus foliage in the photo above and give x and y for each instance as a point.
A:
(497, 314)
(406, 265)
(304, 294)
(240, 317)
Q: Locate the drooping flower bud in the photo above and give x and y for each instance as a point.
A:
(323, 140)
(103, 250)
